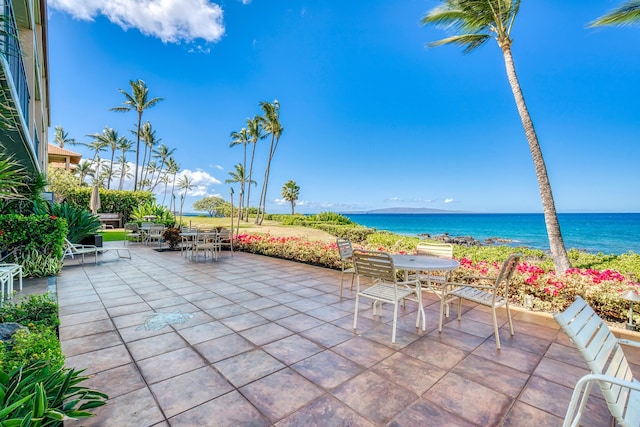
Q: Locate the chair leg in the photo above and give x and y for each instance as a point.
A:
(341, 282)
(355, 315)
(495, 327)
(395, 321)
(509, 317)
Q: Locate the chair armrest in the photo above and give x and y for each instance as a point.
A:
(478, 278)
(629, 342)
(632, 385)
(456, 284)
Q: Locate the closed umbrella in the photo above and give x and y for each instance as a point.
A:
(94, 203)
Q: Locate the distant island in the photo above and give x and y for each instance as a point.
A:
(403, 211)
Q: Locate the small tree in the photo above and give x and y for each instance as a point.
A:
(290, 192)
(214, 206)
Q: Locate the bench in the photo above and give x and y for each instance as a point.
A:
(109, 219)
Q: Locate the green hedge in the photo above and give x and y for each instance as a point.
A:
(34, 238)
(111, 201)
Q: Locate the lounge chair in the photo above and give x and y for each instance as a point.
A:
(72, 250)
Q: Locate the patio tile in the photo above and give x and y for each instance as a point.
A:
(523, 415)
(426, 413)
(266, 333)
(225, 311)
(299, 322)
(469, 400)
(229, 410)
(411, 373)
(273, 396)
(374, 397)
(247, 367)
(513, 357)
(137, 408)
(116, 381)
(328, 314)
(90, 343)
(156, 345)
(169, 364)
(99, 360)
(327, 369)
(435, 353)
(292, 349)
(221, 348)
(560, 372)
(327, 335)
(497, 377)
(204, 332)
(83, 317)
(244, 321)
(277, 312)
(185, 391)
(363, 351)
(84, 329)
(328, 411)
(258, 304)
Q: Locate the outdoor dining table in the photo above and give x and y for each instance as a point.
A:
(426, 263)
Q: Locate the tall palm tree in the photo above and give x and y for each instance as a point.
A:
(237, 138)
(272, 126)
(150, 140)
(186, 184)
(478, 21)
(173, 168)
(254, 129)
(62, 137)
(626, 14)
(124, 145)
(290, 192)
(111, 140)
(84, 170)
(162, 153)
(238, 176)
(139, 101)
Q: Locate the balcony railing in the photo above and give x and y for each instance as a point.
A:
(10, 49)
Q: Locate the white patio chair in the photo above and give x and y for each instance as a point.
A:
(346, 259)
(205, 241)
(435, 280)
(607, 362)
(495, 295)
(225, 239)
(132, 233)
(378, 266)
(72, 250)
(14, 270)
(155, 234)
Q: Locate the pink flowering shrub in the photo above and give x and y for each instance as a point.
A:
(550, 292)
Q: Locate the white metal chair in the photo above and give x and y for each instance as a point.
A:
(155, 234)
(435, 281)
(378, 266)
(132, 233)
(607, 362)
(495, 295)
(346, 258)
(225, 239)
(14, 270)
(205, 241)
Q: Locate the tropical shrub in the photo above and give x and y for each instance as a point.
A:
(31, 345)
(80, 222)
(162, 213)
(40, 395)
(38, 310)
(172, 236)
(36, 241)
(115, 201)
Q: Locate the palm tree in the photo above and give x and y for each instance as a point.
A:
(150, 140)
(237, 138)
(477, 21)
(84, 170)
(254, 129)
(185, 183)
(110, 139)
(290, 192)
(162, 153)
(627, 14)
(124, 145)
(139, 101)
(173, 168)
(238, 176)
(62, 137)
(272, 126)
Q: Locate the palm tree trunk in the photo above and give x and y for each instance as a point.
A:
(263, 193)
(558, 250)
(253, 152)
(113, 153)
(135, 177)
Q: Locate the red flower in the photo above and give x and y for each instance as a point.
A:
(53, 217)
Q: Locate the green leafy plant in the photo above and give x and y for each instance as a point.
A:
(33, 344)
(117, 201)
(35, 309)
(40, 395)
(80, 222)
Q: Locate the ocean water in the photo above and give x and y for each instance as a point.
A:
(609, 233)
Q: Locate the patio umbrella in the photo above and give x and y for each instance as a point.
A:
(94, 203)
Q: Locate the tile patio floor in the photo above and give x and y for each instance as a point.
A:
(268, 342)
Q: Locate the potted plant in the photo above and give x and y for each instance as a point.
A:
(172, 237)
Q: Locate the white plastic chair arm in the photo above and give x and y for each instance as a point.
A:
(629, 342)
(608, 379)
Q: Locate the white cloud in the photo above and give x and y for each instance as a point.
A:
(448, 200)
(171, 21)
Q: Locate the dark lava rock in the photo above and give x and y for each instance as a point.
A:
(8, 329)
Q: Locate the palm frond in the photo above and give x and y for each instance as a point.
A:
(468, 41)
(626, 14)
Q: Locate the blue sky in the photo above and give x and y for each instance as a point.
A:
(372, 119)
